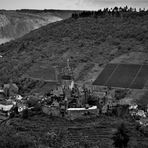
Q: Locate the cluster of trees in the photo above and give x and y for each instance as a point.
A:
(31, 11)
(121, 137)
(40, 11)
(116, 11)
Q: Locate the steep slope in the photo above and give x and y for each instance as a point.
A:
(89, 43)
(14, 24)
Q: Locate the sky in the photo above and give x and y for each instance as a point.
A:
(70, 4)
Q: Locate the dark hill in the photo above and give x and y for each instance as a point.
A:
(87, 42)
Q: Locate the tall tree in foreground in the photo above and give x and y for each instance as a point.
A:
(121, 137)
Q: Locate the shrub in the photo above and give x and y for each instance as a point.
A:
(121, 137)
(25, 114)
(54, 139)
(11, 139)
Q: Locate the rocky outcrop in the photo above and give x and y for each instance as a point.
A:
(14, 24)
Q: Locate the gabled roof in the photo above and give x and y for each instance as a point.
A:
(11, 85)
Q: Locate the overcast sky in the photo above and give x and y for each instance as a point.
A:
(70, 4)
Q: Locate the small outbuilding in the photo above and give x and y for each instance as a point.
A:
(11, 89)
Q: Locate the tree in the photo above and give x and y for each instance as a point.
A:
(121, 137)
(25, 114)
(56, 138)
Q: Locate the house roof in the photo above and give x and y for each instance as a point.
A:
(8, 86)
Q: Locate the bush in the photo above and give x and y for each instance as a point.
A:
(119, 94)
(11, 139)
(55, 139)
(25, 114)
(121, 137)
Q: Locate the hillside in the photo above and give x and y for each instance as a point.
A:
(90, 43)
(14, 24)
(38, 131)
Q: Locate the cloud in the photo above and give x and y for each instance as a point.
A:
(71, 4)
(80, 2)
(97, 4)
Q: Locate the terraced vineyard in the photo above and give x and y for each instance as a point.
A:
(95, 131)
(123, 75)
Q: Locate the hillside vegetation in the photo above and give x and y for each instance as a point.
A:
(87, 41)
